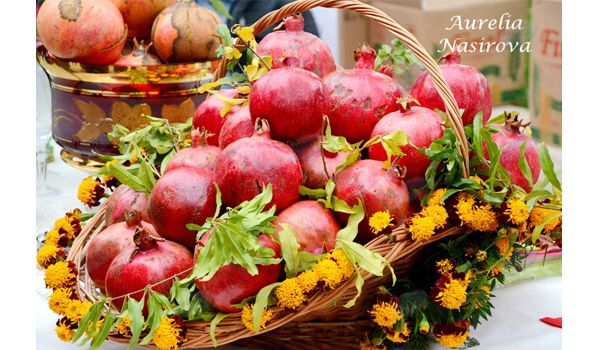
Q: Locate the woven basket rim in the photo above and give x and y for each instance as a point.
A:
(231, 328)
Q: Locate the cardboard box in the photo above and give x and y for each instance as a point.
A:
(546, 71)
(492, 36)
(353, 32)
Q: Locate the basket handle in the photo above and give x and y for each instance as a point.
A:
(452, 109)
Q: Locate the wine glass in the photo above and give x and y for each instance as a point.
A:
(43, 131)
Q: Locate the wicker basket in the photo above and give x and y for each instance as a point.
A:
(324, 320)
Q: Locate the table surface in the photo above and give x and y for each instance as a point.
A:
(515, 323)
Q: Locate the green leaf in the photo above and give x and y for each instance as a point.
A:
(349, 232)
(137, 322)
(125, 177)
(219, 6)
(105, 328)
(219, 317)
(538, 229)
(523, 164)
(289, 249)
(262, 300)
(155, 311)
(224, 33)
(372, 262)
(547, 166)
(91, 317)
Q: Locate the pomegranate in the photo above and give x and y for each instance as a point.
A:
(422, 126)
(247, 165)
(232, 283)
(315, 226)
(379, 189)
(236, 126)
(86, 31)
(139, 15)
(182, 196)
(150, 261)
(292, 100)
(510, 138)
(207, 115)
(139, 56)
(313, 53)
(199, 155)
(318, 164)
(358, 98)
(469, 86)
(186, 32)
(124, 199)
(107, 244)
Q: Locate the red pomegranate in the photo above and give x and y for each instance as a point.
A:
(107, 244)
(248, 165)
(379, 189)
(152, 261)
(236, 126)
(86, 31)
(199, 155)
(422, 126)
(139, 56)
(182, 196)
(186, 32)
(315, 226)
(510, 138)
(124, 199)
(207, 115)
(313, 53)
(232, 283)
(139, 15)
(358, 98)
(318, 164)
(292, 100)
(469, 87)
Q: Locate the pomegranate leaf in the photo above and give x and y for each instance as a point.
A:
(262, 300)
(136, 317)
(289, 249)
(538, 229)
(90, 318)
(219, 317)
(349, 232)
(524, 165)
(547, 166)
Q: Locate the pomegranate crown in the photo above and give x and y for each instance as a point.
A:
(365, 58)
(513, 123)
(451, 58)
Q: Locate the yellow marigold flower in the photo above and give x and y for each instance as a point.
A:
(398, 336)
(445, 266)
(379, 221)
(452, 335)
(421, 227)
(307, 280)
(517, 211)
(449, 292)
(76, 309)
(538, 215)
(247, 317)
(386, 314)
(60, 274)
(437, 213)
(481, 255)
(124, 327)
(47, 255)
(497, 270)
(169, 334)
(436, 196)
(65, 329)
(63, 225)
(328, 272)
(290, 294)
(90, 191)
(347, 268)
(53, 237)
(477, 217)
(368, 345)
(505, 248)
(60, 299)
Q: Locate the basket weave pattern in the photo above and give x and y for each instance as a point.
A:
(323, 305)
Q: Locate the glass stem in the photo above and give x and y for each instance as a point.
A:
(42, 166)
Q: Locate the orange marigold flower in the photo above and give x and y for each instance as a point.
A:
(171, 333)
(386, 314)
(380, 221)
(60, 300)
(247, 317)
(65, 329)
(505, 248)
(48, 255)
(538, 215)
(449, 291)
(90, 191)
(517, 211)
(290, 294)
(61, 274)
(452, 335)
(400, 336)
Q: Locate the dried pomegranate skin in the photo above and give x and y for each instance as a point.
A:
(232, 283)
(139, 15)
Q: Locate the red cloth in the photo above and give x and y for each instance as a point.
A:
(557, 322)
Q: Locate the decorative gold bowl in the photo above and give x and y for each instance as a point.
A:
(87, 100)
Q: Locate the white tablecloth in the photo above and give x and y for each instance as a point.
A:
(515, 323)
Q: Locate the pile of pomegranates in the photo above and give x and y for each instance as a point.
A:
(128, 32)
(277, 141)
